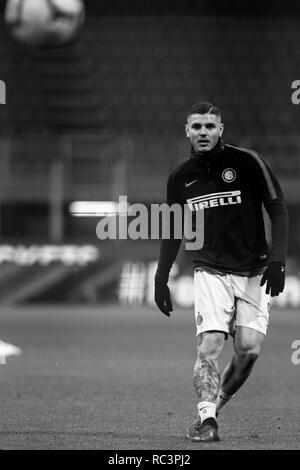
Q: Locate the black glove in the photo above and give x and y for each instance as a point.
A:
(274, 276)
(162, 295)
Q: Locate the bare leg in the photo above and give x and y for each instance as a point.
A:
(247, 346)
(206, 372)
(206, 378)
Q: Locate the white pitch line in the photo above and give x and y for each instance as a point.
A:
(7, 349)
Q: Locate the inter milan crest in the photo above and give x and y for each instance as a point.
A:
(229, 175)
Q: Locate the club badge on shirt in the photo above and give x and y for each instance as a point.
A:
(229, 175)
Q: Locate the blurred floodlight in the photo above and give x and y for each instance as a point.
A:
(95, 208)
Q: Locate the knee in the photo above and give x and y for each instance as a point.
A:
(210, 345)
(247, 345)
(248, 353)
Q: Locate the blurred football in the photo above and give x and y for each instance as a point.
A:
(44, 23)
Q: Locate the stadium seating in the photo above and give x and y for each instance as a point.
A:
(121, 93)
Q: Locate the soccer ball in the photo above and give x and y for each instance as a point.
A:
(44, 23)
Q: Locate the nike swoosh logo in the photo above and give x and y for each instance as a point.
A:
(189, 184)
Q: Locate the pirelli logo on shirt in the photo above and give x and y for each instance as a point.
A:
(225, 198)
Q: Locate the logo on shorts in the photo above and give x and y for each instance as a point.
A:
(229, 175)
(199, 319)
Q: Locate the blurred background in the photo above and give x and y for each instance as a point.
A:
(104, 116)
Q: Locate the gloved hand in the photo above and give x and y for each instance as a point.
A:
(162, 295)
(274, 276)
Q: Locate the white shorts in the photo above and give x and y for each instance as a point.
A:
(224, 302)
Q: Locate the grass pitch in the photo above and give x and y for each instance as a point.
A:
(121, 378)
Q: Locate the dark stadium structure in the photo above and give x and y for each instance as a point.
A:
(105, 116)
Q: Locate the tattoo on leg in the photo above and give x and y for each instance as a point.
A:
(206, 379)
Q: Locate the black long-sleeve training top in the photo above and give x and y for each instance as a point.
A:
(229, 184)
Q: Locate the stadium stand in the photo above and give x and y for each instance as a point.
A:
(126, 99)
(137, 85)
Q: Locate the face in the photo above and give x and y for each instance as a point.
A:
(204, 131)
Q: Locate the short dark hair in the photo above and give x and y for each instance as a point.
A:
(204, 108)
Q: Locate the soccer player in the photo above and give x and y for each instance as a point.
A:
(235, 271)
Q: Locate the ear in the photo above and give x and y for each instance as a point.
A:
(187, 130)
(221, 129)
